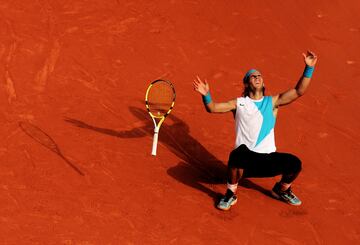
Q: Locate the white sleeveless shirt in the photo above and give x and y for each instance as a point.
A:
(254, 124)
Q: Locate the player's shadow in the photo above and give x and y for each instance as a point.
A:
(198, 168)
(198, 165)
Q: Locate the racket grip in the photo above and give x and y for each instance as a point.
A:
(155, 142)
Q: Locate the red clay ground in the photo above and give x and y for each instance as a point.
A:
(79, 169)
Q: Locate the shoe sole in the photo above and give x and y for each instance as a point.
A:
(226, 209)
(276, 196)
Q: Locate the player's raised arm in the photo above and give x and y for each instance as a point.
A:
(202, 87)
(289, 96)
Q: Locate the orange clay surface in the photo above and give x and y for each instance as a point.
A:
(76, 139)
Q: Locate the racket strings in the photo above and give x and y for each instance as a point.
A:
(160, 98)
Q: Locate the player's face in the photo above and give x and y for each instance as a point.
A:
(256, 81)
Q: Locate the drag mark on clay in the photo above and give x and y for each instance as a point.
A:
(6, 188)
(29, 157)
(348, 133)
(316, 234)
(43, 74)
(2, 50)
(103, 168)
(282, 237)
(250, 238)
(10, 89)
(12, 134)
(109, 25)
(110, 110)
(183, 54)
(89, 81)
(9, 84)
(122, 26)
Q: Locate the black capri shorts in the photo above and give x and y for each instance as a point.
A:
(263, 164)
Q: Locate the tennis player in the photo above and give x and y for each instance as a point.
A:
(255, 152)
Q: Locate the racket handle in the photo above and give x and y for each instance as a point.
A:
(155, 141)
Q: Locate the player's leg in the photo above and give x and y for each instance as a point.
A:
(270, 165)
(234, 174)
(290, 167)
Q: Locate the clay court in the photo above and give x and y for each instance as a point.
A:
(76, 164)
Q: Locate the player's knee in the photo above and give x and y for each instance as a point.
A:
(232, 160)
(237, 157)
(296, 164)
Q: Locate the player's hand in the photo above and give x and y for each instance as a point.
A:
(310, 58)
(201, 86)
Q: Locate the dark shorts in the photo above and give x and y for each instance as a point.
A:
(263, 164)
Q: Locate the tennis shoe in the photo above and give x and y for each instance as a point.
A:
(287, 196)
(227, 201)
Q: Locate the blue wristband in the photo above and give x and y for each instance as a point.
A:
(207, 98)
(308, 71)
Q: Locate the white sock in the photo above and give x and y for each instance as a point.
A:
(232, 187)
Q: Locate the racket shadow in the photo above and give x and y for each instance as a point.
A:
(44, 139)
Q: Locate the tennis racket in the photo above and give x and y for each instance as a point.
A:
(159, 100)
